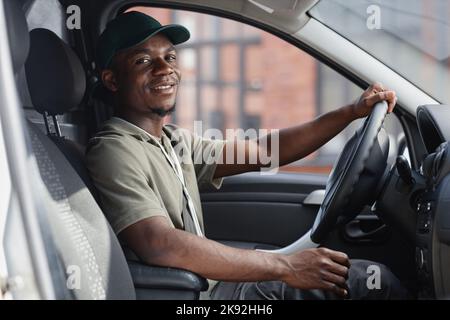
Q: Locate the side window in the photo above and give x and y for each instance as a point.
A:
(235, 76)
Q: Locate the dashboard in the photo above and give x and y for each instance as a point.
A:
(432, 234)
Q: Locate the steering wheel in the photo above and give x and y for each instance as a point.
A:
(355, 176)
(354, 181)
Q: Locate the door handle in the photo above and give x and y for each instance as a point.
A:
(315, 198)
(366, 229)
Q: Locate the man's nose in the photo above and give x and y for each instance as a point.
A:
(162, 67)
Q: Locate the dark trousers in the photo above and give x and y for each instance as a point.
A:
(361, 286)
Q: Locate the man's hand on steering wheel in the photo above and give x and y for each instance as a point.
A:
(373, 94)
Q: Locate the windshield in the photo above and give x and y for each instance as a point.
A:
(410, 36)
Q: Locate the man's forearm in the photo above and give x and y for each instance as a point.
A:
(171, 247)
(299, 141)
(294, 143)
(158, 243)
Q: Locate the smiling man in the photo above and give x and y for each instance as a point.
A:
(150, 194)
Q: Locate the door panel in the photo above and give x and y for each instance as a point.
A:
(264, 209)
(274, 223)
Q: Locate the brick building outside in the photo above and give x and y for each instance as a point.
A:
(238, 76)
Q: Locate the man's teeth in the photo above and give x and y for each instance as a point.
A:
(162, 87)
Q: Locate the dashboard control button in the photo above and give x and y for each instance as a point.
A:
(424, 223)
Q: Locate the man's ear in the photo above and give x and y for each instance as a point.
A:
(109, 80)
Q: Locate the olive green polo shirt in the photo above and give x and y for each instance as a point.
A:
(134, 179)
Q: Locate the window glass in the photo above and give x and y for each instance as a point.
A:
(410, 36)
(237, 76)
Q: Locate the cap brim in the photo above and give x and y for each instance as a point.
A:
(174, 32)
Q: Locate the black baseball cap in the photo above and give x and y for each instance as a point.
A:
(130, 29)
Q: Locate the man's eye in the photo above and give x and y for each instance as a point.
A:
(171, 58)
(143, 60)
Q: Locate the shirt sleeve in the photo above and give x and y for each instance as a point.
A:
(206, 155)
(125, 193)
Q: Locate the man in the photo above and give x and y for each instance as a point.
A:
(151, 197)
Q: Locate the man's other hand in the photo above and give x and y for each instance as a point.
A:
(318, 268)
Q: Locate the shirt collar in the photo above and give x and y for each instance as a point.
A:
(127, 127)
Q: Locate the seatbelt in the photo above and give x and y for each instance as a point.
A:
(190, 218)
(188, 222)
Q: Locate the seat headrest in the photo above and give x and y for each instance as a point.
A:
(56, 78)
(18, 37)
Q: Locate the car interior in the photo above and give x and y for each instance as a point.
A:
(407, 228)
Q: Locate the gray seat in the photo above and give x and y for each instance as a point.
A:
(84, 243)
(95, 249)
(57, 84)
(52, 70)
(98, 255)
